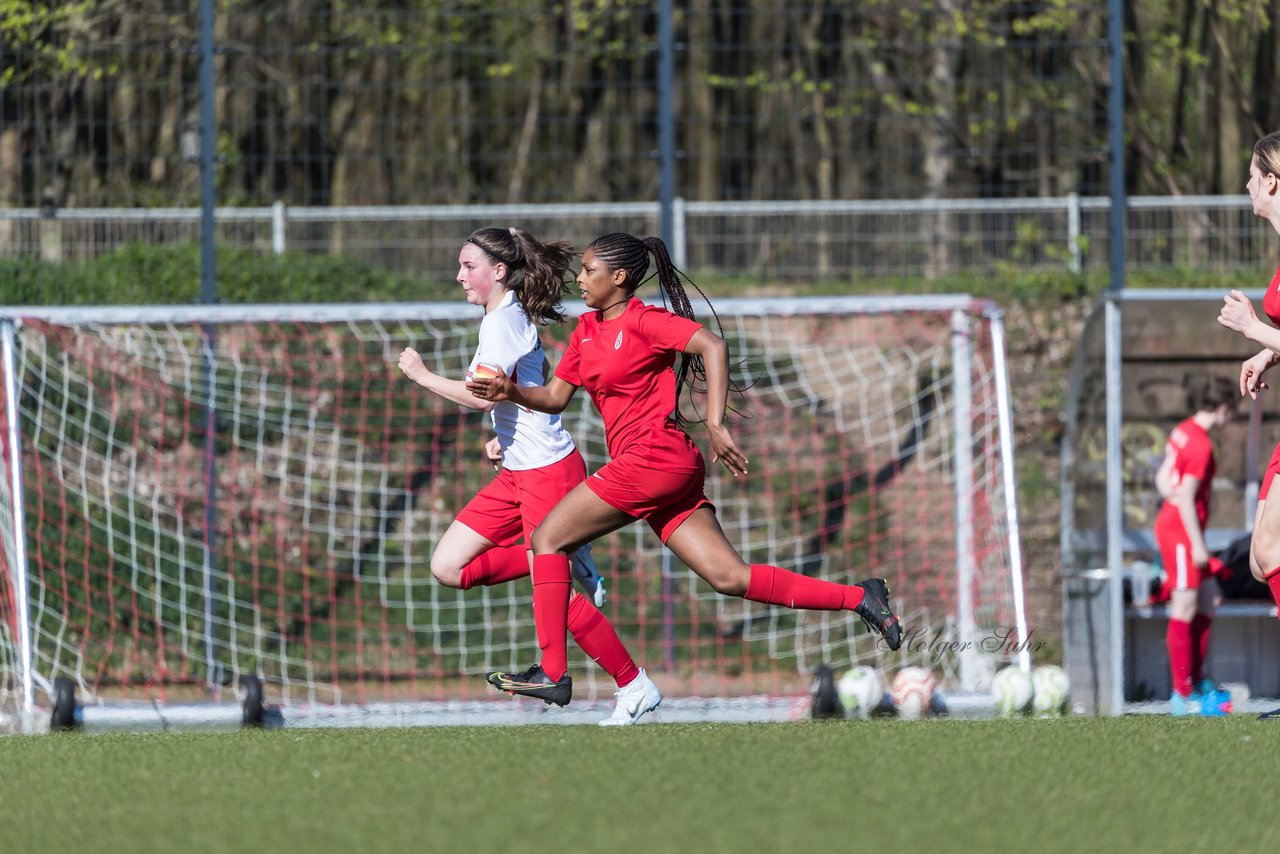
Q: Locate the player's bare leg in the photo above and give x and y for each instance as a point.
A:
(458, 547)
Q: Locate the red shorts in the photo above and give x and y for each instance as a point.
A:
(1180, 573)
(658, 479)
(516, 502)
(1273, 466)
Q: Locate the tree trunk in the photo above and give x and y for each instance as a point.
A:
(937, 235)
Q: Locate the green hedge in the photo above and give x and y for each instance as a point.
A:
(141, 274)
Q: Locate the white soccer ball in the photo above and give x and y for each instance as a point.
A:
(861, 691)
(912, 692)
(1013, 691)
(1052, 691)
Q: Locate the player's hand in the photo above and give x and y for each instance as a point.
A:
(1251, 371)
(1200, 555)
(496, 388)
(493, 450)
(411, 363)
(1237, 312)
(725, 450)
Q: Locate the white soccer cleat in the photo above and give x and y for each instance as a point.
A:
(639, 697)
(584, 570)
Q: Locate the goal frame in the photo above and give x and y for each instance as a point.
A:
(962, 308)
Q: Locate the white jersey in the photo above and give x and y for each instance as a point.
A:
(509, 340)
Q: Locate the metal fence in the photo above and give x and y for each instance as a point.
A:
(489, 101)
(780, 240)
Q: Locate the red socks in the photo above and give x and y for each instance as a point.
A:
(1178, 640)
(551, 611)
(777, 586)
(595, 634)
(1200, 624)
(497, 565)
(590, 628)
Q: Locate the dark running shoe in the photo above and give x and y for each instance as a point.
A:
(826, 700)
(876, 613)
(1266, 716)
(534, 683)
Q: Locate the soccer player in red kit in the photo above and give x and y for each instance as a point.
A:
(520, 281)
(1184, 480)
(1237, 314)
(624, 354)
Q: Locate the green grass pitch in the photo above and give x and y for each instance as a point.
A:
(1129, 784)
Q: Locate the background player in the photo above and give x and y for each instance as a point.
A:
(1185, 481)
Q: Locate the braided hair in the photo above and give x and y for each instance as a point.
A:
(537, 273)
(621, 251)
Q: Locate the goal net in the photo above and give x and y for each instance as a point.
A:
(211, 492)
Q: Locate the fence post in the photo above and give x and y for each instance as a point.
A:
(679, 237)
(1073, 232)
(277, 227)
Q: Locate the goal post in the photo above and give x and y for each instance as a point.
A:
(879, 431)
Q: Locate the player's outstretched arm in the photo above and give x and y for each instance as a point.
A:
(411, 364)
(715, 359)
(551, 398)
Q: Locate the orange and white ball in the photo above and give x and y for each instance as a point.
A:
(912, 692)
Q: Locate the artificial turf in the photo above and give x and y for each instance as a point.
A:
(1138, 783)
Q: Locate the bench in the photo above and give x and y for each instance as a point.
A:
(1244, 647)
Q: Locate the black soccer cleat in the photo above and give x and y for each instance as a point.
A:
(534, 683)
(876, 613)
(1266, 716)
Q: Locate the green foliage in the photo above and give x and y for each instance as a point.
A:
(29, 27)
(138, 274)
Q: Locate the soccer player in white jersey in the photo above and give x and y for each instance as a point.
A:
(519, 281)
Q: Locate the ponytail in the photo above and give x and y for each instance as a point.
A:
(537, 273)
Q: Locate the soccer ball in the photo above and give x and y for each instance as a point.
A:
(1013, 692)
(912, 692)
(1052, 690)
(861, 691)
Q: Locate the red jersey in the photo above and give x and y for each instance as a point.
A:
(1271, 299)
(1192, 457)
(627, 366)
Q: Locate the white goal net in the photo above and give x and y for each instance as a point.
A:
(209, 492)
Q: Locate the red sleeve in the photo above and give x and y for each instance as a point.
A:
(1195, 458)
(568, 369)
(666, 331)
